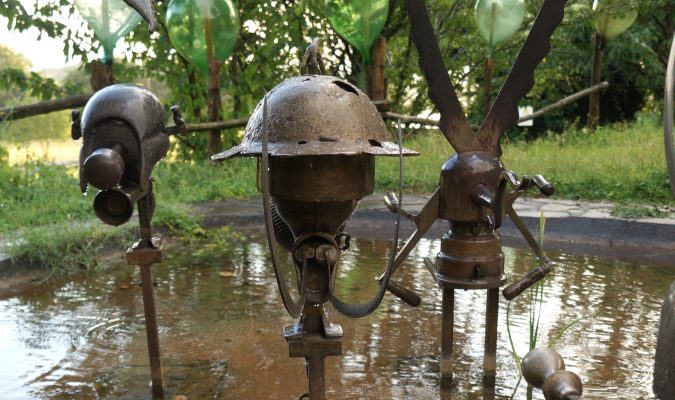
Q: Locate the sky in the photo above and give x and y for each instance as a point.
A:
(45, 53)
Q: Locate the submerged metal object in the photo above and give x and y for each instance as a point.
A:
(316, 115)
(664, 365)
(475, 190)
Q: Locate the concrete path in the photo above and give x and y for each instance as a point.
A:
(571, 226)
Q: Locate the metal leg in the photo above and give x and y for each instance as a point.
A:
(311, 339)
(490, 357)
(151, 332)
(446, 335)
(316, 374)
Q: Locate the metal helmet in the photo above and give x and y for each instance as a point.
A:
(316, 115)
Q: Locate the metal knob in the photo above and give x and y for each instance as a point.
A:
(104, 168)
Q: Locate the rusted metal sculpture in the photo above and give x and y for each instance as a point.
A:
(544, 369)
(664, 365)
(316, 137)
(124, 136)
(668, 117)
(475, 190)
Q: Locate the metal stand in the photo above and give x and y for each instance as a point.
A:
(470, 259)
(313, 336)
(144, 253)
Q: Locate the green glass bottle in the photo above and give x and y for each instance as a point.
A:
(613, 17)
(110, 20)
(359, 22)
(203, 29)
(497, 20)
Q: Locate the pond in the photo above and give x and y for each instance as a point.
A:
(221, 318)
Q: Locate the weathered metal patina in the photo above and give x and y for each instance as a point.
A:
(316, 137)
(475, 189)
(124, 136)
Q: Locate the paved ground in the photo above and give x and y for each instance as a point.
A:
(571, 226)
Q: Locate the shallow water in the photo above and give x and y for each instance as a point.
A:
(221, 321)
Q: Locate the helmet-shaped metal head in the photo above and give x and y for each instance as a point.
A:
(124, 137)
(316, 115)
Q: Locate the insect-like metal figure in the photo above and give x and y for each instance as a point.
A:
(475, 191)
(124, 136)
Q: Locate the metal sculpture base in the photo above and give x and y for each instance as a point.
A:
(145, 254)
(469, 261)
(314, 338)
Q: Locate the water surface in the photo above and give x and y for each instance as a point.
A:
(221, 318)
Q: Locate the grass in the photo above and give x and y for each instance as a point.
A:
(620, 163)
(42, 204)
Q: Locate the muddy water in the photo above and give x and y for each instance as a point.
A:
(221, 319)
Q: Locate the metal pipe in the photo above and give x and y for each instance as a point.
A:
(150, 313)
(447, 329)
(490, 355)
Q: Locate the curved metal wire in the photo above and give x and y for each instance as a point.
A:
(363, 309)
(293, 307)
(668, 117)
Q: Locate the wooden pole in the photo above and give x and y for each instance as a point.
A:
(43, 107)
(377, 82)
(567, 100)
(594, 101)
(487, 86)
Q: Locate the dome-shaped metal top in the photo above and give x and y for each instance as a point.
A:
(316, 115)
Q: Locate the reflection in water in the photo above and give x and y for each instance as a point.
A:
(221, 338)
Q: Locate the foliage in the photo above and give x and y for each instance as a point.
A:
(19, 87)
(67, 250)
(36, 193)
(274, 34)
(619, 162)
(627, 210)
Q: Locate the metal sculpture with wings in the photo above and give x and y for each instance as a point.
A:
(475, 189)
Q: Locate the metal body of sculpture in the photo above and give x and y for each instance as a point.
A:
(473, 194)
(317, 137)
(664, 365)
(124, 136)
(668, 117)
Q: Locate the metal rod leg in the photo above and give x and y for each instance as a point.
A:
(490, 357)
(151, 332)
(446, 335)
(316, 374)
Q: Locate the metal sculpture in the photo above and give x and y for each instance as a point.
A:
(664, 365)
(124, 136)
(473, 193)
(544, 369)
(316, 137)
(668, 117)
